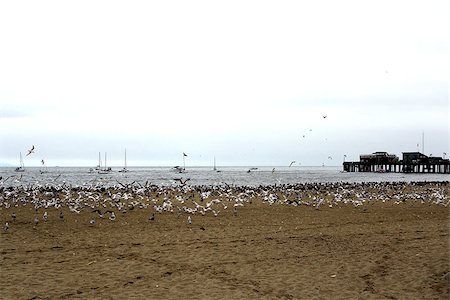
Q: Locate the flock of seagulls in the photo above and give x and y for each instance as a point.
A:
(110, 203)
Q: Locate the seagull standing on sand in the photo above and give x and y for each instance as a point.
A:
(36, 221)
(92, 222)
(112, 216)
(5, 229)
(31, 150)
(45, 216)
(189, 220)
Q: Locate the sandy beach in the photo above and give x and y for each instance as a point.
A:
(334, 242)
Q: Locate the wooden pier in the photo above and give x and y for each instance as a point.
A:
(412, 162)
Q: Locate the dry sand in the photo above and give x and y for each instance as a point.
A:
(386, 251)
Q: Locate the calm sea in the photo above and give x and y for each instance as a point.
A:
(202, 176)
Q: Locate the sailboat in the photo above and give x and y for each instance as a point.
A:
(99, 166)
(215, 168)
(124, 169)
(105, 170)
(22, 166)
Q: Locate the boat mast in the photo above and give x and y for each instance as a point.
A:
(21, 161)
(125, 158)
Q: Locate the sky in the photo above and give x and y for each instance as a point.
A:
(247, 82)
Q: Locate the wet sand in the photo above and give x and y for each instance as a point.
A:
(380, 250)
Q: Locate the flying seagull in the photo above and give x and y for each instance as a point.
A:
(292, 162)
(181, 180)
(324, 116)
(31, 150)
(42, 161)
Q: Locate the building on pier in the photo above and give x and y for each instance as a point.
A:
(412, 162)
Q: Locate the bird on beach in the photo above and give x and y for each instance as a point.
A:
(152, 217)
(45, 216)
(99, 212)
(31, 150)
(112, 216)
(36, 221)
(92, 222)
(13, 216)
(61, 215)
(189, 220)
(5, 229)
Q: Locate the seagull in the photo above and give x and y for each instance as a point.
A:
(45, 216)
(92, 222)
(181, 180)
(152, 217)
(273, 170)
(329, 157)
(5, 229)
(61, 216)
(324, 116)
(31, 150)
(13, 216)
(99, 212)
(112, 216)
(292, 162)
(36, 221)
(42, 161)
(189, 220)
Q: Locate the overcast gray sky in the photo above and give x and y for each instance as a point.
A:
(240, 80)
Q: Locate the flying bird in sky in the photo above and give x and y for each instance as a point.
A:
(180, 180)
(324, 116)
(31, 150)
(292, 162)
(42, 161)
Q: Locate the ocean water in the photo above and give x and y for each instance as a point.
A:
(202, 176)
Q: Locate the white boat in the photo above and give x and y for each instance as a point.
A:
(215, 168)
(105, 170)
(22, 166)
(124, 169)
(99, 166)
